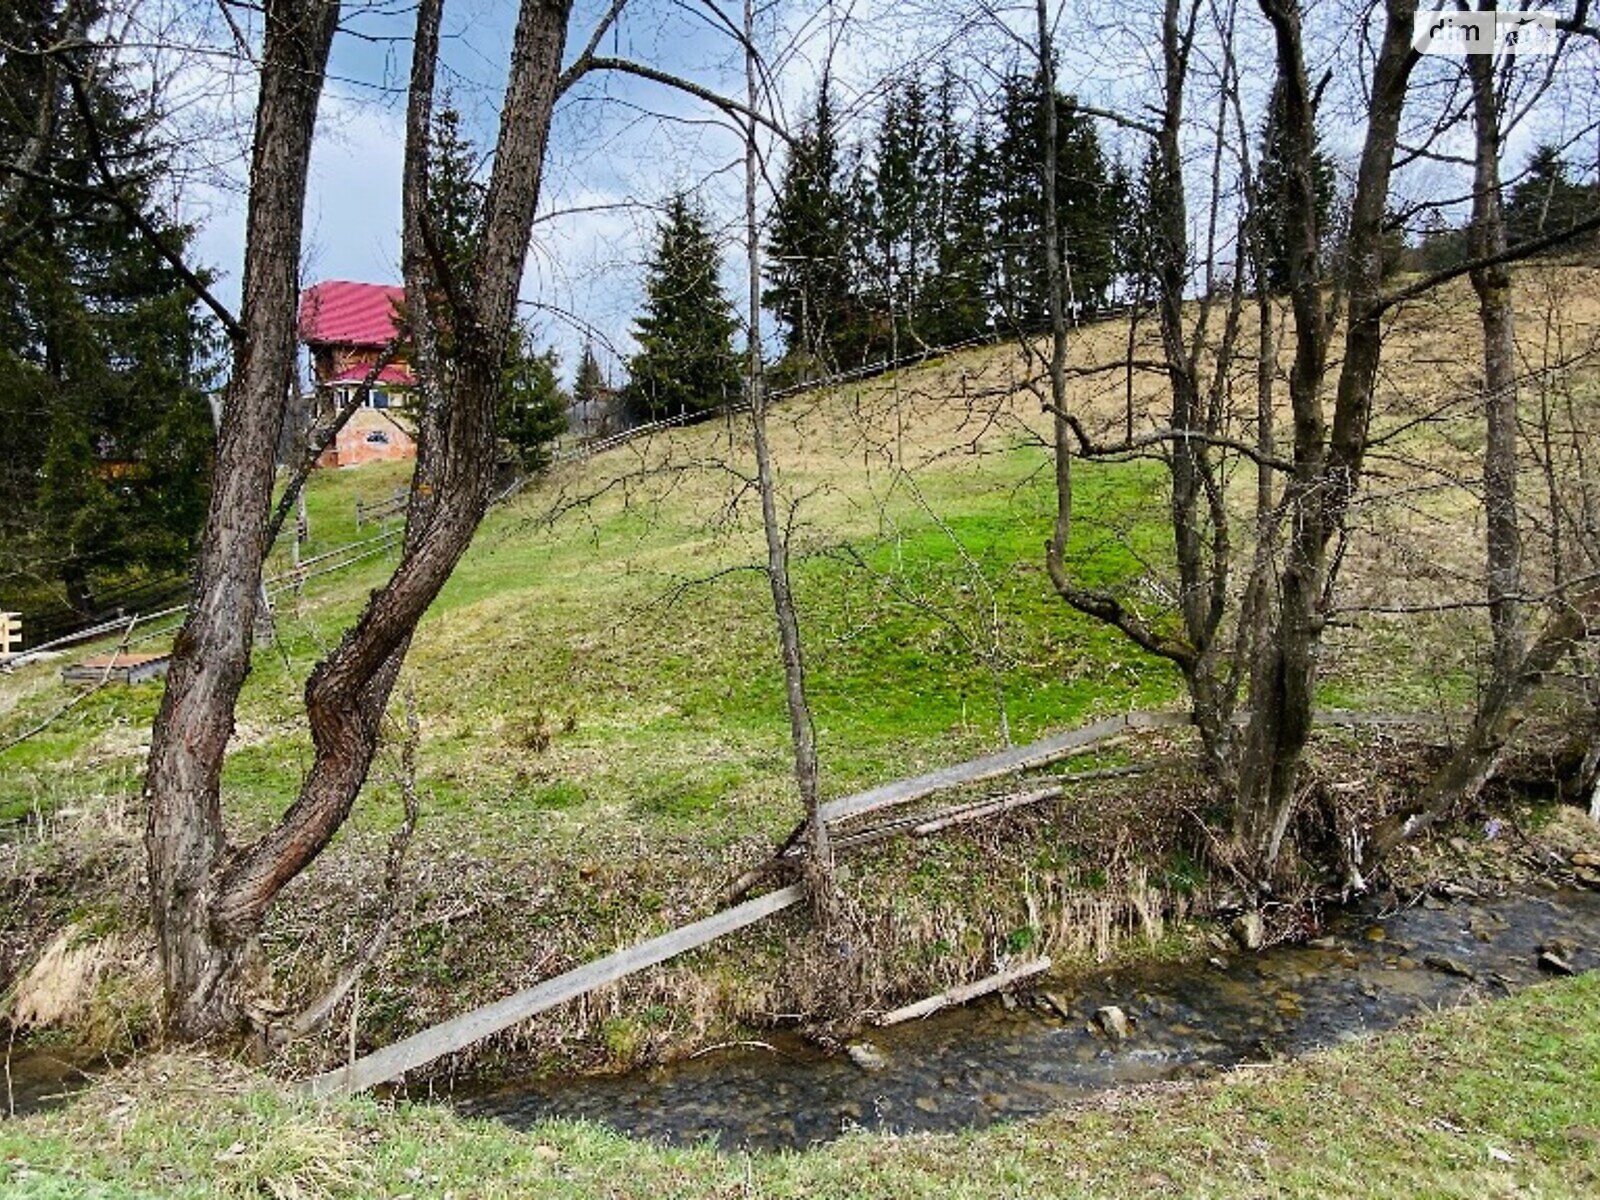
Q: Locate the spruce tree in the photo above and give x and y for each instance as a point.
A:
(1086, 197)
(591, 398)
(686, 361)
(532, 409)
(1272, 199)
(808, 243)
(104, 356)
(1546, 199)
(455, 193)
(901, 212)
(957, 307)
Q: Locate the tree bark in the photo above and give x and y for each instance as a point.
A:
(1327, 462)
(1470, 767)
(1493, 287)
(1197, 510)
(209, 903)
(184, 834)
(802, 735)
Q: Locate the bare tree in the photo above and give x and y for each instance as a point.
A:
(1194, 434)
(209, 897)
(1327, 459)
(206, 965)
(1516, 666)
(802, 732)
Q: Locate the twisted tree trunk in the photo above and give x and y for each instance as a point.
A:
(210, 902)
(202, 963)
(1327, 462)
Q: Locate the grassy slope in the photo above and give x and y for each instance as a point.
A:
(603, 734)
(1501, 1099)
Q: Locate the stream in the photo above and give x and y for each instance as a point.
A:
(998, 1059)
(1002, 1058)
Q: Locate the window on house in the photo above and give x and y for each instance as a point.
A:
(377, 437)
(380, 398)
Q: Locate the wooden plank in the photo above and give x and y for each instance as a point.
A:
(967, 991)
(422, 1048)
(988, 808)
(992, 766)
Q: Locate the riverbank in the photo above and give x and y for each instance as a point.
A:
(604, 744)
(1495, 1099)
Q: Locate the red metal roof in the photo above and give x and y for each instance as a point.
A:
(397, 374)
(340, 313)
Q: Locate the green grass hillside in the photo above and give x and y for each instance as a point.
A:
(604, 743)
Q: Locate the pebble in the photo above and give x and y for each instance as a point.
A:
(1555, 964)
(866, 1056)
(1248, 930)
(1449, 966)
(1112, 1021)
(1058, 1002)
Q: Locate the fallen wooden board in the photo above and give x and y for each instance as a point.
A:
(119, 667)
(992, 766)
(455, 1034)
(967, 991)
(459, 1032)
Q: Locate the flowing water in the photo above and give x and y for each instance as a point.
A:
(992, 1060)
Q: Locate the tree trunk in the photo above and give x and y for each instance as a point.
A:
(1198, 516)
(209, 906)
(1327, 463)
(1498, 714)
(184, 838)
(1514, 668)
(819, 855)
(347, 693)
(1493, 287)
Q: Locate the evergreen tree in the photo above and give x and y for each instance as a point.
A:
(1133, 232)
(455, 193)
(1546, 200)
(104, 356)
(901, 209)
(808, 244)
(958, 302)
(1087, 202)
(1440, 247)
(532, 409)
(1272, 183)
(686, 361)
(592, 407)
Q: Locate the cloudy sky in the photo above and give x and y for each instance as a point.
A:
(620, 145)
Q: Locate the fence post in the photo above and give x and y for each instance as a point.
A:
(10, 632)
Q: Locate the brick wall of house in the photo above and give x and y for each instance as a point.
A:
(371, 435)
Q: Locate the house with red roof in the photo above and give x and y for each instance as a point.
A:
(350, 329)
